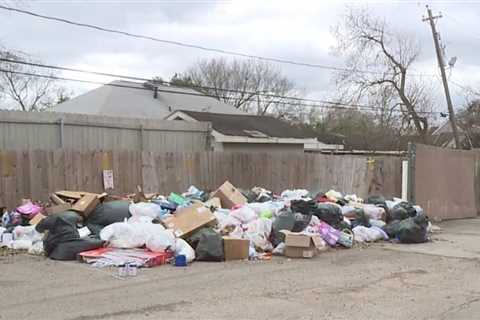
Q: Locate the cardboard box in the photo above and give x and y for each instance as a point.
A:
(36, 219)
(185, 221)
(229, 195)
(56, 199)
(77, 195)
(57, 209)
(299, 245)
(213, 202)
(86, 204)
(235, 249)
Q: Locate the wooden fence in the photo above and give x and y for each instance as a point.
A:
(55, 130)
(34, 174)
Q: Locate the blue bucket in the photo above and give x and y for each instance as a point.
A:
(180, 261)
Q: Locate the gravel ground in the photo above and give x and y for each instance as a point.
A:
(383, 281)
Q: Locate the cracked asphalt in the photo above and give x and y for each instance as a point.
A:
(436, 280)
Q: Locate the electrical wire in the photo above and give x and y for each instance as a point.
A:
(188, 45)
(340, 106)
(259, 93)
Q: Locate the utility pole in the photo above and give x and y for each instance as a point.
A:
(441, 64)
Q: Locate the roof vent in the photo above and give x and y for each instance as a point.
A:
(255, 134)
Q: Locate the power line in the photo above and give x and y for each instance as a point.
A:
(341, 107)
(193, 46)
(259, 93)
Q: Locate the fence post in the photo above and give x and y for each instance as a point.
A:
(142, 138)
(412, 153)
(62, 137)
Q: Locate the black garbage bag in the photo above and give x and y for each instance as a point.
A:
(301, 221)
(398, 213)
(411, 211)
(410, 230)
(284, 221)
(413, 230)
(361, 219)
(392, 228)
(107, 213)
(63, 241)
(249, 194)
(208, 245)
(376, 200)
(329, 213)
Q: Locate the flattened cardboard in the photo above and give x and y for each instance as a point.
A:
(229, 195)
(77, 195)
(58, 208)
(86, 204)
(235, 249)
(185, 221)
(36, 219)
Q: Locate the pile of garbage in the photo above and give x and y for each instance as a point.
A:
(228, 224)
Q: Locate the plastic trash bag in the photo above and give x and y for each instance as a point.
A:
(376, 200)
(399, 213)
(333, 195)
(285, 221)
(148, 209)
(123, 235)
(296, 194)
(36, 249)
(413, 230)
(107, 213)
(225, 220)
(22, 244)
(258, 232)
(374, 212)
(301, 221)
(244, 214)
(377, 223)
(329, 234)
(208, 245)
(279, 250)
(26, 233)
(29, 209)
(183, 248)
(161, 241)
(364, 234)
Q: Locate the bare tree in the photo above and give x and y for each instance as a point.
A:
(380, 61)
(249, 85)
(27, 92)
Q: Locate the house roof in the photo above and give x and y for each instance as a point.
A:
(134, 100)
(246, 125)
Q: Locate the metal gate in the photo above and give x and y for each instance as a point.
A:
(442, 181)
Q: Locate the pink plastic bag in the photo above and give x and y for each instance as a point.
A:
(29, 209)
(329, 233)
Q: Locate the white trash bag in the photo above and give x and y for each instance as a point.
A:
(148, 209)
(183, 248)
(161, 241)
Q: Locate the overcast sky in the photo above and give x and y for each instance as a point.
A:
(295, 30)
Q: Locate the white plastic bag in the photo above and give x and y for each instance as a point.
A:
(364, 234)
(183, 248)
(374, 212)
(123, 235)
(224, 219)
(148, 209)
(333, 195)
(244, 214)
(36, 248)
(22, 244)
(161, 241)
(295, 194)
(26, 233)
(279, 250)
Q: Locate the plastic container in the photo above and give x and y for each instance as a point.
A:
(180, 261)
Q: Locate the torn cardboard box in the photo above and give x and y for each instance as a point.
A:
(36, 219)
(235, 248)
(187, 220)
(300, 245)
(229, 196)
(86, 204)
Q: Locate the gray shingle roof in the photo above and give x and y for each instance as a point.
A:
(245, 125)
(120, 100)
